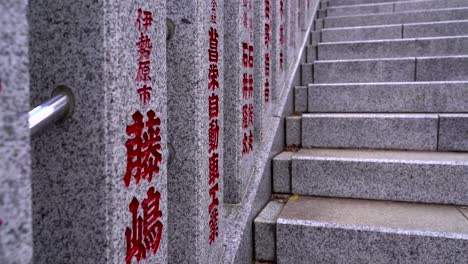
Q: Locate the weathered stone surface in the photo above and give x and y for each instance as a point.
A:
(292, 33)
(453, 68)
(360, 9)
(435, 29)
(315, 37)
(453, 132)
(196, 115)
(428, 5)
(300, 99)
(367, 49)
(16, 234)
(406, 97)
(362, 33)
(265, 231)
(397, 18)
(359, 2)
(279, 40)
(84, 182)
(429, 177)
(282, 172)
(376, 131)
(311, 54)
(293, 131)
(239, 106)
(340, 230)
(307, 73)
(400, 48)
(368, 70)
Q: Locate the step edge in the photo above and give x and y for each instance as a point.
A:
(381, 229)
(396, 13)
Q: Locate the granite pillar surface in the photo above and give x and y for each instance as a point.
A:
(99, 178)
(15, 161)
(195, 118)
(239, 106)
(292, 42)
(262, 66)
(279, 40)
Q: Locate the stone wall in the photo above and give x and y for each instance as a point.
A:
(15, 161)
(102, 186)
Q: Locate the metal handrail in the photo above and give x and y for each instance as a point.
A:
(57, 108)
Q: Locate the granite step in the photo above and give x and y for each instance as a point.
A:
(392, 7)
(439, 68)
(440, 46)
(342, 231)
(395, 31)
(396, 131)
(410, 176)
(435, 15)
(332, 3)
(409, 97)
(265, 231)
(368, 131)
(436, 29)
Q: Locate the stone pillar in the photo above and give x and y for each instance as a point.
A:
(292, 33)
(99, 179)
(306, 9)
(279, 42)
(262, 65)
(239, 104)
(195, 89)
(15, 162)
(259, 103)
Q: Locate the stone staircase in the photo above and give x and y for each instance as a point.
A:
(381, 124)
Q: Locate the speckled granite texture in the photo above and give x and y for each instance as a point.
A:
(453, 132)
(291, 31)
(282, 172)
(329, 230)
(376, 131)
(90, 46)
(428, 177)
(15, 161)
(265, 231)
(439, 97)
(239, 229)
(189, 196)
(278, 49)
(238, 167)
(261, 51)
(293, 131)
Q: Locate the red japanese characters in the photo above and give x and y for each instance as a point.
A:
(144, 154)
(267, 51)
(143, 148)
(247, 79)
(145, 235)
(292, 29)
(144, 48)
(214, 128)
(282, 35)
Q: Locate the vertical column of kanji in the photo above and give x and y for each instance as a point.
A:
(195, 120)
(278, 68)
(239, 98)
(15, 185)
(142, 197)
(215, 128)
